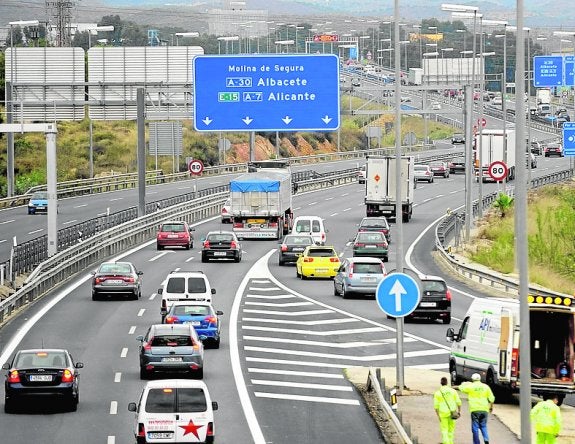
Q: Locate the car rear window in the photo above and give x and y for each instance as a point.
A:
(302, 226)
(373, 223)
(191, 310)
(176, 285)
(160, 400)
(41, 359)
(433, 286)
(420, 168)
(191, 400)
(298, 240)
(370, 237)
(171, 341)
(196, 285)
(367, 268)
(115, 269)
(321, 252)
(174, 228)
(220, 237)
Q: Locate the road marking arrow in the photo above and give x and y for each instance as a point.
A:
(397, 290)
(207, 121)
(247, 120)
(287, 120)
(326, 119)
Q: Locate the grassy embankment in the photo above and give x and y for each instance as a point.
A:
(551, 239)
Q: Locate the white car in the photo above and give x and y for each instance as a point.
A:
(226, 212)
(174, 411)
(435, 105)
(361, 174)
(422, 172)
(184, 286)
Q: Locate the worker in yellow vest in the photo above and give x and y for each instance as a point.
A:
(481, 399)
(546, 419)
(447, 406)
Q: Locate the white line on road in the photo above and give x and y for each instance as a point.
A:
(455, 192)
(443, 366)
(114, 408)
(300, 363)
(159, 255)
(345, 194)
(272, 371)
(6, 221)
(101, 214)
(292, 322)
(311, 204)
(334, 214)
(118, 377)
(3, 240)
(289, 313)
(264, 288)
(111, 439)
(81, 206)
(36, 231)
(124, 352)
(315, 333)
(335, 388)
(132, 330)
(322, 399)
(297, 208)
(190, 259)
(347, 209)
(69, 222)
(328, 198)
(261, 296)
(151, 192)
(152, 296)
(279, 305)
(116, 198)
(141, 312)
(314, 343)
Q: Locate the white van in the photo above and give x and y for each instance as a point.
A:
(174, 411)
(184, 286)
(312, 226)
(488, 343)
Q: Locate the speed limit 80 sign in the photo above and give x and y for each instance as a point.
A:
(196, 166)
(497, 170)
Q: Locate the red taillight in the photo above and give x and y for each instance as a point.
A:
(308, 259)
(129, 279)
(515, 362)
(99, 280)
(171, 319)
(273, 224)
(13, 377)
(211, 319)
(383, 270)
(210, 431)
(233, 244)
(358, 245)
(448, 295)
(148, 345)
(350, 271)
(206, 244)
(141, 430)
(284, 247)
(238, 225)
(67, 376)
(382, 245)
(323, 237)
(334, 259)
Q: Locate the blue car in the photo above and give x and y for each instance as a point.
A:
(38, 203)
(201, 315)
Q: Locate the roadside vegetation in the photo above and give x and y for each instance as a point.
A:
(551, 237)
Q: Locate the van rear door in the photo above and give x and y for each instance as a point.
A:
(158, 415)
(195, 417)
(505, 348)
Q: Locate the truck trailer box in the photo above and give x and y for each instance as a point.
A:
(494, 145)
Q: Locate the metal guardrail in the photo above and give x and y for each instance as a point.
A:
(445, 230)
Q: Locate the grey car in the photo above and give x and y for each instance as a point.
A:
(422, 172)
(117, 278)
(358, 275)
(292, 246)
(171, 348)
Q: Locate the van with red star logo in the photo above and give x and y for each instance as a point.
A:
(174, 411)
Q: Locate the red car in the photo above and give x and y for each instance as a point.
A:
(175, 234)
(439, 169)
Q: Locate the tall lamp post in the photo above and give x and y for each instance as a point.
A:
(420, 38)
(185, 34)
(444, 63)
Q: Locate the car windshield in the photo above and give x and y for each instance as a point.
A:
(174, 228)
(370, 237)
(171, 341)
(41, 359)
(191, 310)
(367, 268)
(40, 195)
(321, 252)
(115, 269)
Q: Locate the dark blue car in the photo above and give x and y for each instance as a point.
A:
(201, 315)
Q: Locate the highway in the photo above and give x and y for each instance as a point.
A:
(278, 374)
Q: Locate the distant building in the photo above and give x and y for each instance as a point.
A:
(235, 19)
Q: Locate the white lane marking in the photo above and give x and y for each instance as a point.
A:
(3, 240)
(293, 322)
(103, 214)
(69, 222)
(345, 194)
(132, 330)
(300, 363)
(264, 289)
(7, 221)
(261, 296)
(118, 377)
(330, 387)
(190, 259)
(315, 343)
(159, 255)
(116, 198)
(347, 209)
(278, 305)
(273, 371)
(316, 333)
(297, 208)
(328, 198)
(322, 399)
(141, 312)
(333, 214)
(36, 231)
(439, 195)
(81, 206)
(111, 439)
(183, 188)
(114, 408)
(388, 356)
(151, 192)
(427, 200)
(311, 204)
(455, 192)
(152, 296)
(260, 281)
(124, 352)
(290, 313)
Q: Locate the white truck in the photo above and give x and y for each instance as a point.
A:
(490, 146)
(487, 343)
(261, 201)
(380, 196)
(415, 76)
(543, 96)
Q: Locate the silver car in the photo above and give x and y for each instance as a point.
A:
(423, 172)
(358, 275)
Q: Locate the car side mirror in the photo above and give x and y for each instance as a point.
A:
(214, 405)
(450, 336)
(93, 273)
(79, 365)
(203, 238)
(132, 407)
(140, 338)
(160, 290)
(139, 273)
(219, 313)
(191, 229)
(6, 366)
(213, 291)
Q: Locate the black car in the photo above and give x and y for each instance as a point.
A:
(457, 165)
(117, 278)
(292, 246)
(41, 374)
(536, 147)
(435, 300)
(221, 245)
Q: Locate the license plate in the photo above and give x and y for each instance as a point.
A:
(219, 253)
(193, 323)
(321, 270)
(256, 221)
(370, 246)
(367, 279)
(179, 359)
(39, 207)
(298, 249)
(114, 281)
(172, 236)
(40, 378)
(428, 304)
(160, 435)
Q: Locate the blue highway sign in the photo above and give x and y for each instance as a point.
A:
(266, 93)
(548, 71)
(569, 70)
(397, 295)
(569, 138)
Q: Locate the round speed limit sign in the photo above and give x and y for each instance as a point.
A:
(497, 170)
(196, 166)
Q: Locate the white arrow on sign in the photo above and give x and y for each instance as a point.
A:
(287, 120)
(326, 119)
(397, 290)
(247, 120)
(207, 120)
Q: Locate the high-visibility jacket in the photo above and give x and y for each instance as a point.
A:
(479, 395)
(546, 417)
(446, 400)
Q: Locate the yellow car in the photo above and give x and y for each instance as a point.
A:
(317, 261)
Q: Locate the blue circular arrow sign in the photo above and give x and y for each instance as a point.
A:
(397, 295)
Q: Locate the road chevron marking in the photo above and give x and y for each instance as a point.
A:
(264, 289)
(315, 333)
(307, 398)
(314, 343)
(279, 305)
(293, 322)
(271, 297)
(290, 313)
(330, 387)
